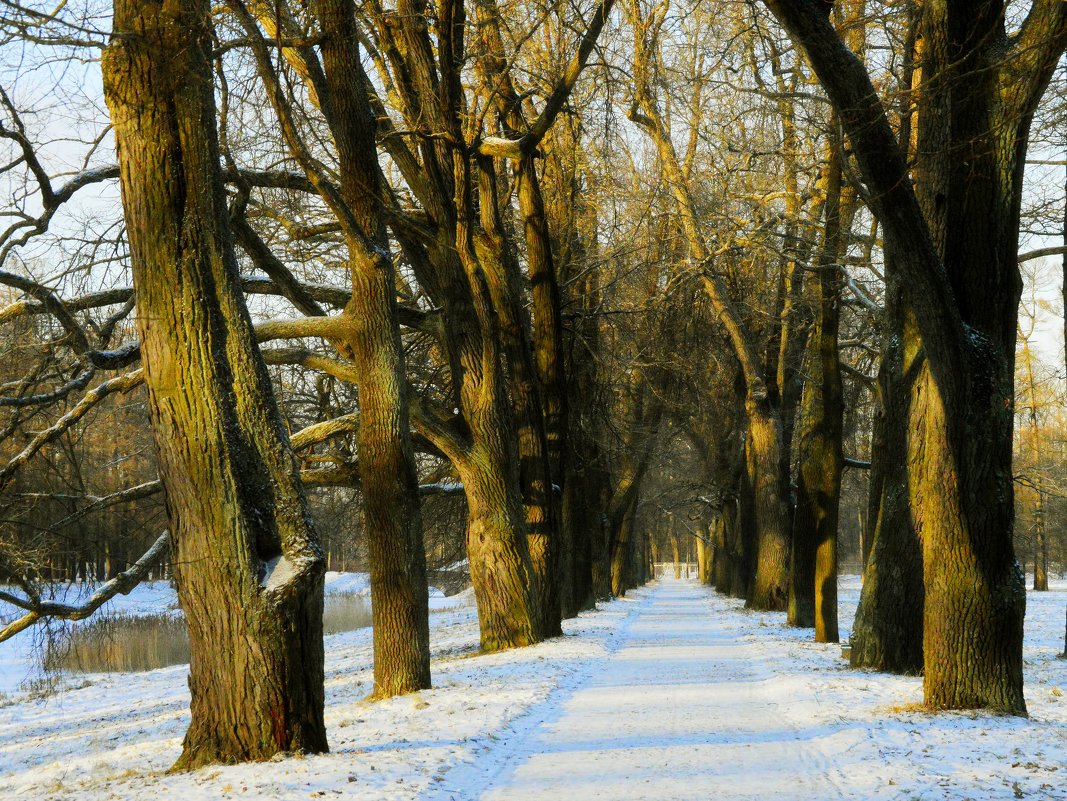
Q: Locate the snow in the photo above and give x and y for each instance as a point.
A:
(671, 693)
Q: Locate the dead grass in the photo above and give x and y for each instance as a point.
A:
(120, 643)
(127, 643)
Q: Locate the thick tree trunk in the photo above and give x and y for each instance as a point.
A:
(497, 545)
(548, 356)
(388, 478)
(888, 630)
(974, 118)
(496, 254)
(248, 569)
(497, 548)
(975, 599)
(499, 562)
(770, 584)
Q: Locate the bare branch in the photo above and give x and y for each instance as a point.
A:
(122, 584)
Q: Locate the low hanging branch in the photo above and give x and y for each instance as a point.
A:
(122, 384)
(38, 609)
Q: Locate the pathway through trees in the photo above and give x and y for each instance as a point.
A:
(684, 705)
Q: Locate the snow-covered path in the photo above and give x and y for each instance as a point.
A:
(672, 693)
(681, 706)
(698, 698)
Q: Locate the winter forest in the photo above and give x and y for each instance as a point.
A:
(533, 399)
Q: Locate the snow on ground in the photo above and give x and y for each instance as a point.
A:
(670, 693)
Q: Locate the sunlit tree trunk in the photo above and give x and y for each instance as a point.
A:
(247, 566)
(388, 478)
(813, 590)
(763, 438)
(496, 255)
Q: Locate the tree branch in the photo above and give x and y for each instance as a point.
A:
(38, 609)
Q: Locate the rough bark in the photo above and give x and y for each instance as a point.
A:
(1040, 542)
(497, 256)
(621, 552)
(769, 514)
(813, 586)
(247, 566)
(387, 473)
(956, 254)
(499, 562)
(888, 633)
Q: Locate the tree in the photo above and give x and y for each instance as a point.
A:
(248, 569)
(367, 333)
(972, 143)
(764, 436)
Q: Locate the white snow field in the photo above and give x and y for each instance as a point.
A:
(670, 693)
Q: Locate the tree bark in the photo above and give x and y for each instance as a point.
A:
(247, 566)
(770, 583)
(621, 553)
(888, 630)
(499, 562)
(813, 588)
(497, 256)
(388, 478)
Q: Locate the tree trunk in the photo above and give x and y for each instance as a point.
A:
(499, 564)
(248, 569)
(1040, 543)
(888, 630)
(548, 356)
(975, 599)
(621, 579)
(496, 254)
(703, 562)
(813, 589)
(674, 550)
(388, 478)
(734, 577)
(770, 584)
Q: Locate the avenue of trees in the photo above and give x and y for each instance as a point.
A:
(543, 292)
